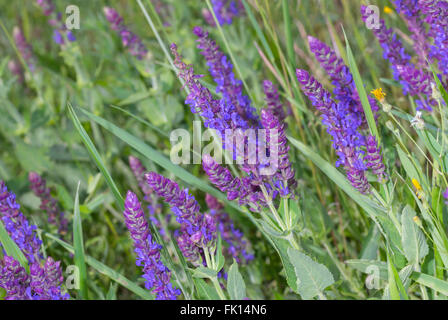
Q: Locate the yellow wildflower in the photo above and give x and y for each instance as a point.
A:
(379, 94)
(418, 188)
(388, 10)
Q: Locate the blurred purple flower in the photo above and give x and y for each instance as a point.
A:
(129, 39)
(48, 204)
(236, 246)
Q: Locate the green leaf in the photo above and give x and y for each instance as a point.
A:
(395, 285)
(235, 283)
(414, 244)
(11, 247)
(203, 272)
(78, 244)
(431, 282)
(219, 257)
(361, 91)
(366, 266)
(107, 271)
(312, 277)
(204, 291)
(96, 157)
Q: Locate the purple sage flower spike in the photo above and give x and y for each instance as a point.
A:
(24, 48)
(198, 231)
(273, 100)
(374, 159)
(129, 39)
(225, 11)
(13, 279)
(341, 125)
(236, 246)
(436, 16)
(48, 203)
(17, 226)
(345, 89)
(285, 172)
(157, 276)
(221, 69)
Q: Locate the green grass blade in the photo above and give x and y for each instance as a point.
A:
(361, 91)
(78, 244)
(288, 34)
(11, 247)
(105, 270)
(157, 157)
(431, 282)
(96, 157)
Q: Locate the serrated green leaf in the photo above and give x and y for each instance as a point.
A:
(312, 277)
(203, 272)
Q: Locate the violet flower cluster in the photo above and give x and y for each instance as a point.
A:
(60, 31)
(221, 69)
(197, 231)
(222, 115)
(225, 11)
(157, 276)
(17, 226)
(415, 80)
(436, 16)
(236, 246)
(129, 39)
(273, 103)
(342, 125)
(150, 197)
(344, 86)
(43, 283)
(44, 280)
(48, 204)
(24, 48)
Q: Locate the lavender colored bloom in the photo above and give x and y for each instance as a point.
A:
(48, 203)
(47, 6)
(412, 15)
(198, 231)
(345, 89)
(156, 274)
(436, 12)
(16, 69)
(216, 114)
(129, 39)
(285, 174)
(154, 208)
(236, 246)
(59, 26)
(225, 11)
(235, 188)
(393, 49)
(417, 83)
(23, 47)
(13, 278)
(340, 125)
(228, 85)
(45, 281)
(17, 226)
(374, 159)
(273, 100)
(445, 196)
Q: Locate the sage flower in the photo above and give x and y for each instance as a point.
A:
(129, 39)
(157, 276)
(48, 204)
(197, 231)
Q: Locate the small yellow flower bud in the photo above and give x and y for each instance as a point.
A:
(388, 10)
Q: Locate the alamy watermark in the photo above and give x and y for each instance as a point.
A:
(242, 146)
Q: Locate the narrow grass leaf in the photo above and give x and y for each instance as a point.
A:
(78, 244)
